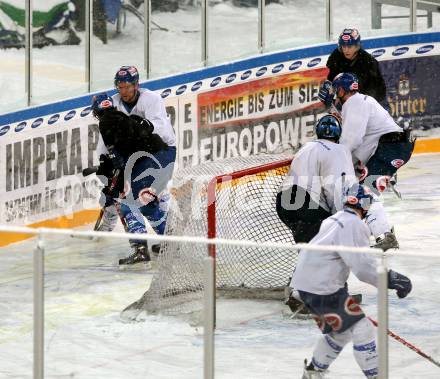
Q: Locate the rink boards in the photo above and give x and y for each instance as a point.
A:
(262, 104)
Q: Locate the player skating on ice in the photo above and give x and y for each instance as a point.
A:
(135, 101)
(320, 279)
(319, 174)
(379, 147)
(130, 147)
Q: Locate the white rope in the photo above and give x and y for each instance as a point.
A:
(207, 241)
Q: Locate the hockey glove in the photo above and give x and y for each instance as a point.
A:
(114, 187)
(145, 125)
(145, 139)
(326, 93)
(400, 283)
(106, 167)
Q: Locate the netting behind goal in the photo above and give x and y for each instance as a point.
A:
(208, 202)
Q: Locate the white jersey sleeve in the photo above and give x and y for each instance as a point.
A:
(354, 122)
(364, 121)
(325, 272)
(150, 105)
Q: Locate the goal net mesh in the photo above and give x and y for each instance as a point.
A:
(245, 209)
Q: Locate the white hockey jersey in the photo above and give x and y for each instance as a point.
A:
(324, 273)
(318, 167)
(364, 121)
(150, 106)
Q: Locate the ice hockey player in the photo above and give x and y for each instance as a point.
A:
(350, 57)
(320, 278)
(379, 147)
(131, 100)
(146, 165)
(319, 174)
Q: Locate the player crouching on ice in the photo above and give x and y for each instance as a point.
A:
(144, 164)
(379, 147)
(314, 185)
(320, 279)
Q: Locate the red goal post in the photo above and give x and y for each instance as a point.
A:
(220, 179)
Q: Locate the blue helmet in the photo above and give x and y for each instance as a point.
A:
(328, 127)
(347, 81)
(349, 37)
(100, 102)
(358, 196)
(128, 74)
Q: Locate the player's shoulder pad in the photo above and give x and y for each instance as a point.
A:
(148, 98)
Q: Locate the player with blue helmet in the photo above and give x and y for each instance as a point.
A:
(137, 129)
(315, 186)
(101, 102)
(376, 142)
(312, 189)
(350, 57)
(320, 282)
(127, 83)
(379, 147)
(328, 127)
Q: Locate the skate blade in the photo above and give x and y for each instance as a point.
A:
(141, 266)
(87, 238)
(396, 192)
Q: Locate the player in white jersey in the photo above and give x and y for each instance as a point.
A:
(145, 105)
(320, 279)
(313, 188)
(378, 145)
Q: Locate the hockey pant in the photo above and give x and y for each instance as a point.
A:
(300, 213)
(341, 320)
(148, 194)
(393, 151)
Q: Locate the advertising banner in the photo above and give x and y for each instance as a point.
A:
(41, 165)
(263, 115)
(412, 93)
(265, 104)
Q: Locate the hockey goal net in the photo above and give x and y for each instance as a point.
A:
(233, 199)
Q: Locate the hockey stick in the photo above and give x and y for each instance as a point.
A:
(407, 344)
(110, 189)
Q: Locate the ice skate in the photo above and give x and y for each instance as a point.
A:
(155, 250)
(387, 241)
(310, 372)
(140, 255)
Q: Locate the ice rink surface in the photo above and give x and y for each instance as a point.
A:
(85, 292)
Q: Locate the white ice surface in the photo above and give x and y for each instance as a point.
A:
(85, 291)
